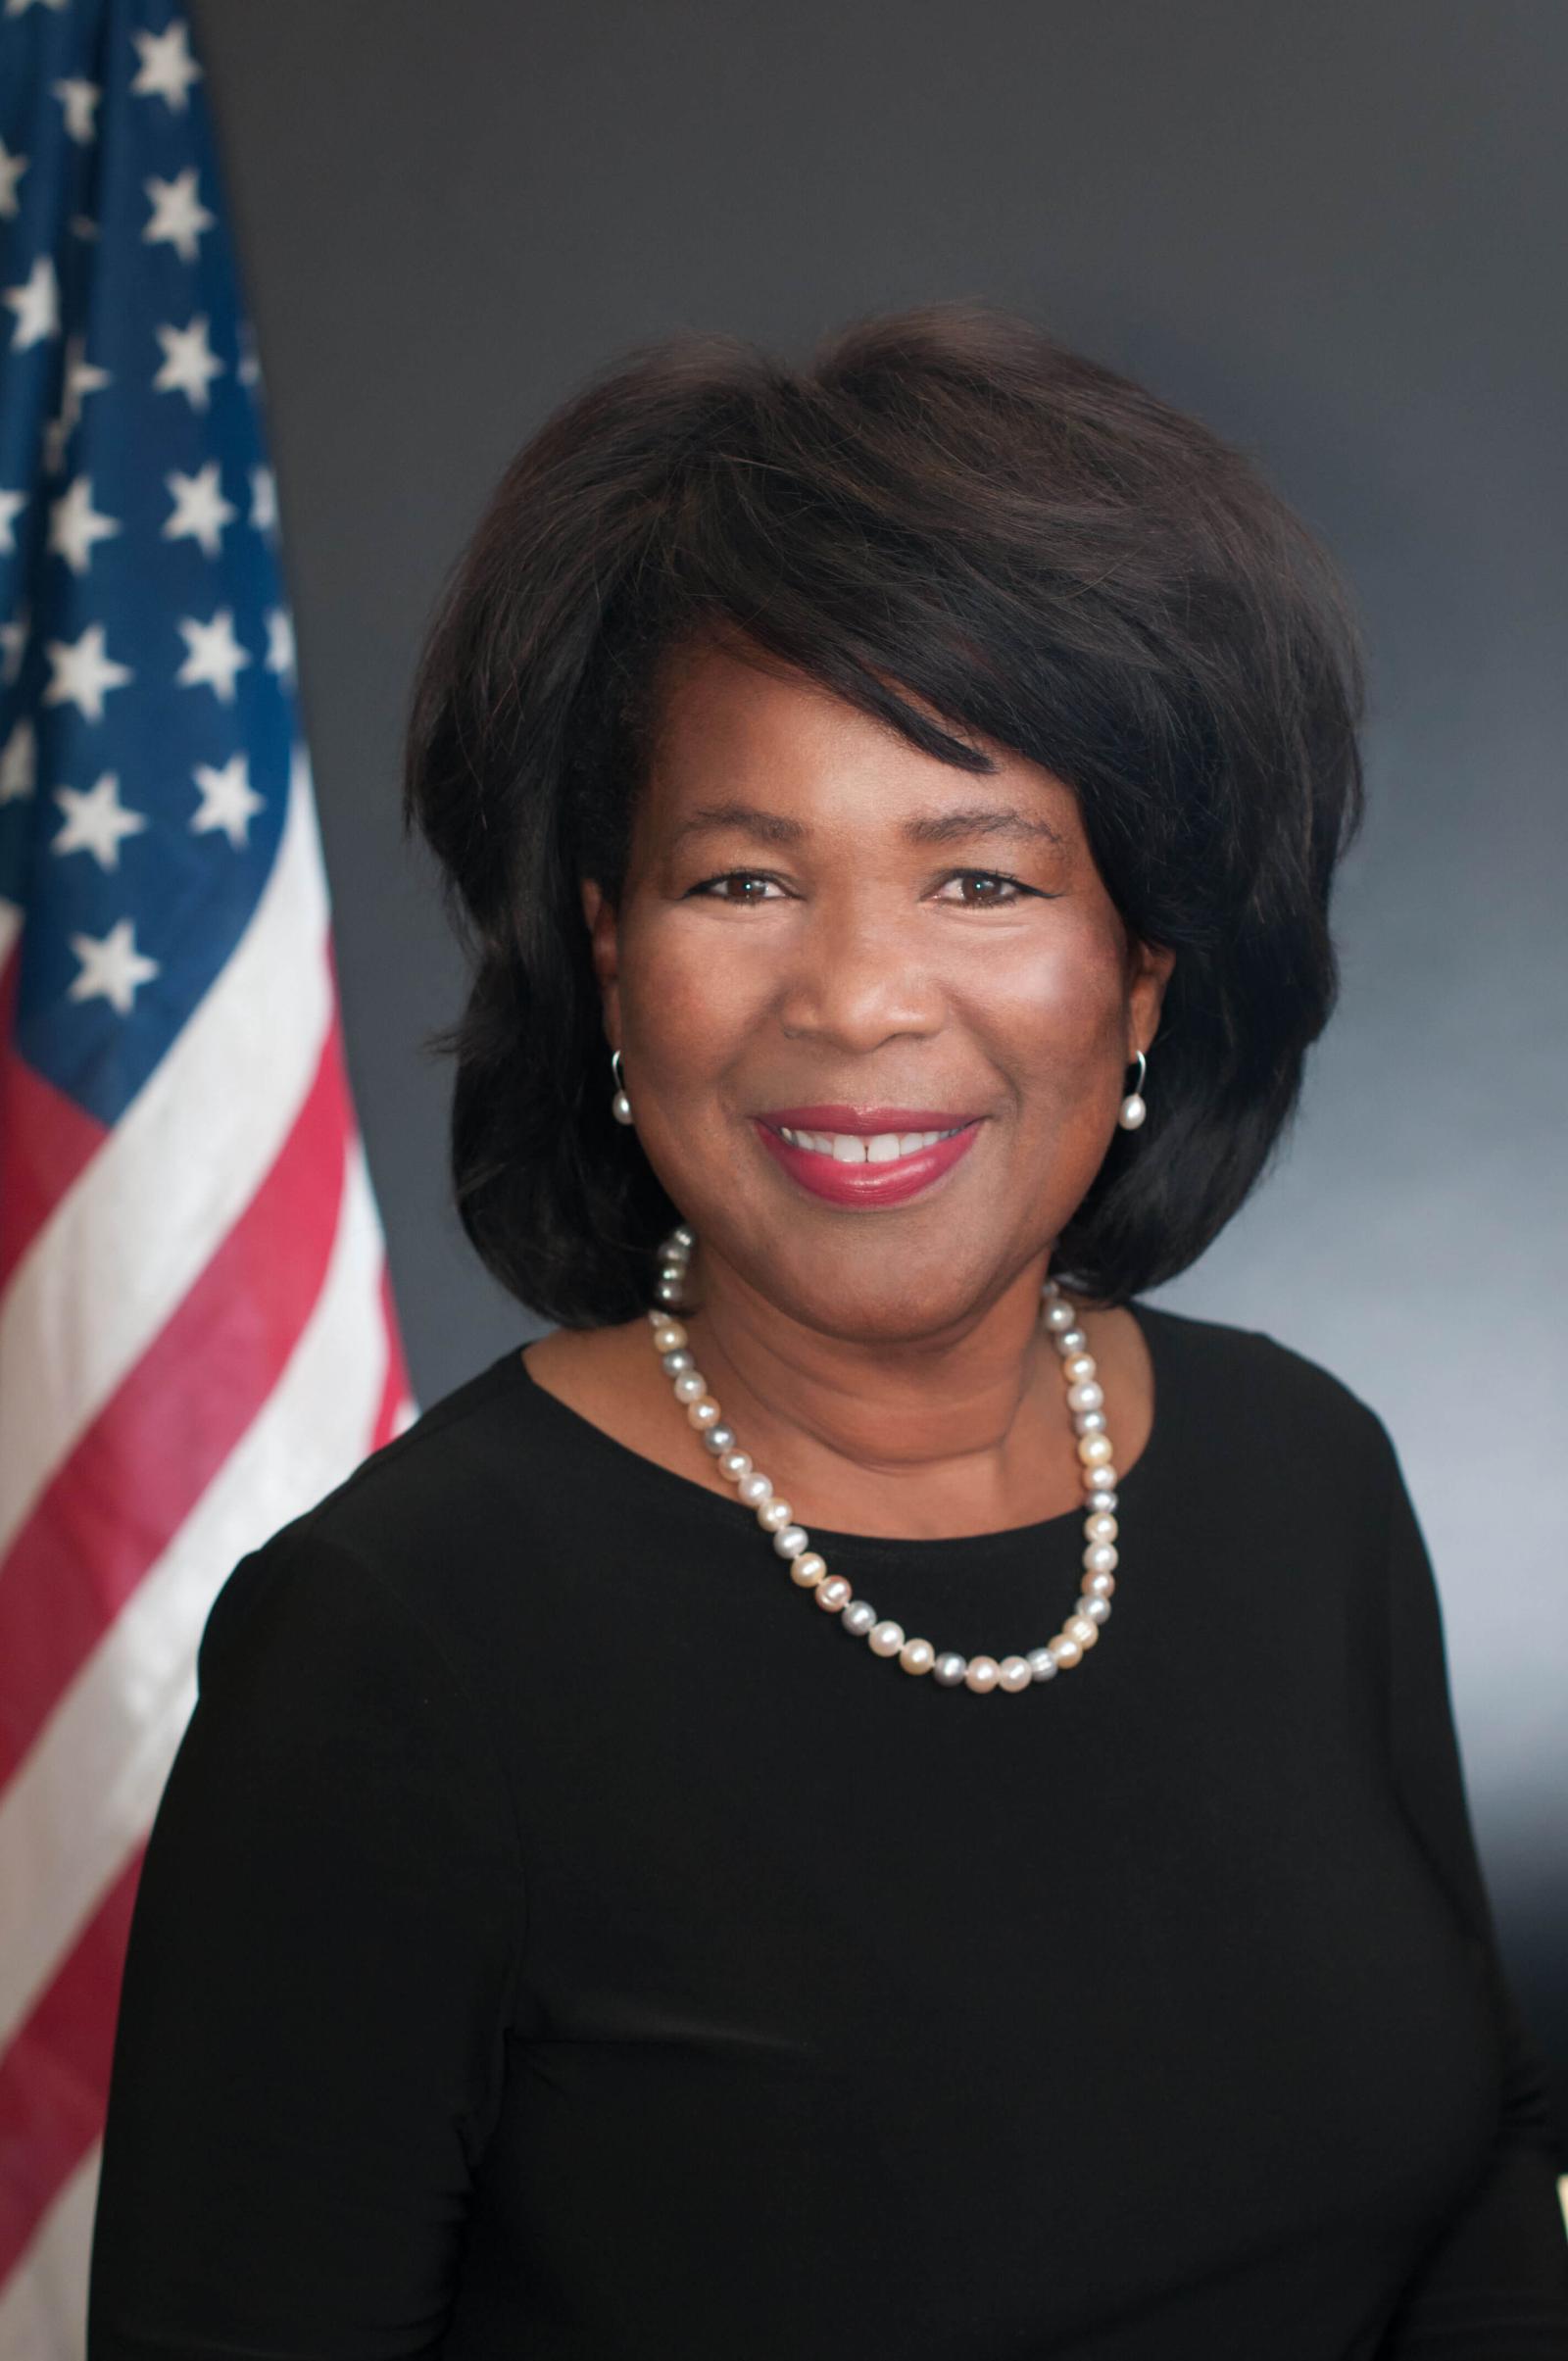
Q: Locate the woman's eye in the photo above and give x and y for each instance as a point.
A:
(1012, 888)
(734, 877)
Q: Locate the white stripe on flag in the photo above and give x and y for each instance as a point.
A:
(42, 2315)
(87, 1790)
(126, 1244)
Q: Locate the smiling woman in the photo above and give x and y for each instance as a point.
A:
(976, 560)
(892, 810)
(860, 955)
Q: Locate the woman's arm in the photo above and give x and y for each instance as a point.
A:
(309, 2046)
(1493, 2285)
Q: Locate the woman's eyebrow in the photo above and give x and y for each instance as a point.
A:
(980, 819)
(932, 828)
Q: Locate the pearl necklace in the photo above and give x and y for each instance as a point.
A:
(832, 1591)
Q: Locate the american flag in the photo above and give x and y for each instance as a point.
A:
(197, 1337)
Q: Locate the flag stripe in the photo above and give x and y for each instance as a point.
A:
(143, 1221)
(89, 1786)
(53, 1141)
(42, 2303)
(120, 1496)
(53, 2079)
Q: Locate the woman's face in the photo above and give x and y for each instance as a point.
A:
(815, 912)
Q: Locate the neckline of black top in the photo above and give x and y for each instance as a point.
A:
(662, 1487)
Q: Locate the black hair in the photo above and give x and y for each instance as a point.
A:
(949, 501)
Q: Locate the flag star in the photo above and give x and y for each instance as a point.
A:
(11, 504)
(200, 508)
(19, 764)
(168, 68)
(189, 362)
(215, 655)
(36, 305)
(264, 499)
(13, 645)
(83, 225)
(178, 214)
(78, 98)
(96, 820)
(281, 642)
(228, 800)
(75, 524)
(82, 671)
(112, 968)
(15, 8)
(80, 378)
(12, 168)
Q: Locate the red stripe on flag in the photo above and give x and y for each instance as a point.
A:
(54, 2077)
(45, 1141)
(121, 1495)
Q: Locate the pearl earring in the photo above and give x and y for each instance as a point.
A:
(620, 1105)
(1133, 1109)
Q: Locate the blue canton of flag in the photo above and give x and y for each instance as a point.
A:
(147, 713)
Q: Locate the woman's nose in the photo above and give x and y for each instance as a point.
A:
(857, 972)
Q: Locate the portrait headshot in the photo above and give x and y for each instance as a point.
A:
(780, 1567)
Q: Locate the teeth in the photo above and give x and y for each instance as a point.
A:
(853, 1148)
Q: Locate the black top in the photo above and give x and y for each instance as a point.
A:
(560, 1937)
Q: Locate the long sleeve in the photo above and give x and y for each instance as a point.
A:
(1492, 2285)
(309, 2048)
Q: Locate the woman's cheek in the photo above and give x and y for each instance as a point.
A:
(1057, 1013)
(691, 1001)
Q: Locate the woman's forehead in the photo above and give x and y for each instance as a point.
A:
(758, 744)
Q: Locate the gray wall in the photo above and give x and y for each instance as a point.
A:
(1333, 232)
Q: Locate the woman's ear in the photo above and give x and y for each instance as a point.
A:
(1151, 966)
(604, 948)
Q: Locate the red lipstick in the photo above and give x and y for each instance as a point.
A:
(867, 1184)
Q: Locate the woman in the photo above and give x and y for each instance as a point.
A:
(609, 1900)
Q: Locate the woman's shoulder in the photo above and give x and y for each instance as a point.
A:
(447, 1464)
(447, 1497)
(1270, 1393)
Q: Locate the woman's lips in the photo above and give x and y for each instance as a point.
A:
(889, 1183)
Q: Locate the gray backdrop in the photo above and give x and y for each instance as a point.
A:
(1336, 234)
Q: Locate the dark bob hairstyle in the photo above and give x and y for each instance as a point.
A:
(948, 501)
